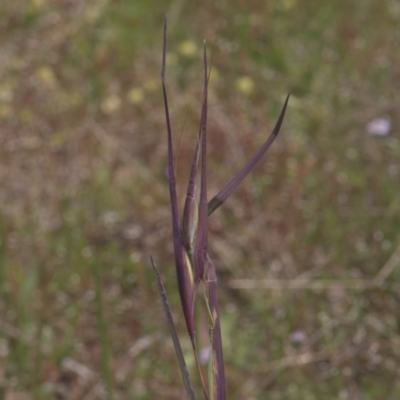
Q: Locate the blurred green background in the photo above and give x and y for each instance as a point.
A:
(84, 199)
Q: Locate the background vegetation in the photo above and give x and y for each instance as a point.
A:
(84, 199)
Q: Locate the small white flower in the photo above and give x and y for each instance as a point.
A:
(379, 127)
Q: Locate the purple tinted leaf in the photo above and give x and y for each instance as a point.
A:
(174, 334)
(217, 352)
(200, 256)
(190, 212)
(185, 284)
(228, 189)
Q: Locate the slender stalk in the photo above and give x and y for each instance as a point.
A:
(174, 334)
(219, 391)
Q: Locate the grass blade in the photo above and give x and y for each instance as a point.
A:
(202, 230)
(174, 334)
(217, 359)
(183, 270)
(190, 211)
(182, 261)
(228, 189)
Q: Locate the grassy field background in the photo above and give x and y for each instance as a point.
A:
(307, 249)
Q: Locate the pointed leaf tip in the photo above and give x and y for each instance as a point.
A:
(229, 188)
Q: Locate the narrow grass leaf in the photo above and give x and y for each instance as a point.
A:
(202, 230)
(174, 334)
(228, 189)
(218, 386)
(189, 228)
(190, 211)
(183, 271)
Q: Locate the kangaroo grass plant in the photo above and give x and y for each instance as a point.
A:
(194, 267)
